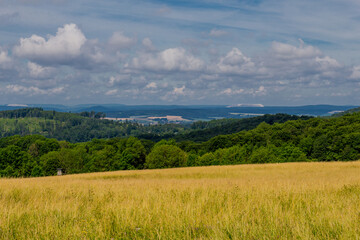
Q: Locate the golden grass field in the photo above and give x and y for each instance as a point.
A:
(272, 201)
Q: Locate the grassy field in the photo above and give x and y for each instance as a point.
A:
(273, 201)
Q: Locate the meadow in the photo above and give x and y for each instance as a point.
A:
(262, 201)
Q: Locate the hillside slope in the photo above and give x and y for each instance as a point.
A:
(261, 201)
(85, 126)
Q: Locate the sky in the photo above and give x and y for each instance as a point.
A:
(270, 52)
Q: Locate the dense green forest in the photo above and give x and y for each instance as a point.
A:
(82, 127)
(315, 139)
(203, 131)
(73, 127)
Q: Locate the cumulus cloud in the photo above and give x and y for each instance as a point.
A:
(172, 59)
(283, 63)
(151, 85)
(230, 91)
(287, 52)
(326, 63)
(259, 92)
(119, 40)
(147, 43)
(286, 61)
(254, 92)
(32, 90)
(152, 73)
(5, 59)
(235, 62)
(355, 73)
(37, 71)
(179, 90)
(62, 48)
(68, 47)
(175, 94)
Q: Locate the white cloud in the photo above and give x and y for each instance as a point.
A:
(38, 71)
(340, 94)
(259, 92)
(179, 91)
(152, 85)
(255, 92)
(288, 62)
(235, 62)
(65, 46)
(111, 92)
(259, 105)
(217, 33)
(147, 43)
(230, 91)
(175, 94)
(327, 66)
(5, 60)
(172, 59)
(119, 40)
(119, 79)
(287, 52)
(355, 73)
(327, 62)
(18, 89)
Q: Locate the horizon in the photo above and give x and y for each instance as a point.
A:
(215, 105)
(161, 52)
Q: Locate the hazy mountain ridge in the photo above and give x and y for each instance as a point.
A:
(191, 112)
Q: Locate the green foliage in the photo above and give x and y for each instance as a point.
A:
(74, 127)
(86, 126)
(37, 171)
(14, 162)
(204, 131)
(290, 153)
(166, 156)
(192, 159)
(50, 163)
(315, 139)
(166, 142)
(263, 155)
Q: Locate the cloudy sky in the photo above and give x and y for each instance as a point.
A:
(271, 52)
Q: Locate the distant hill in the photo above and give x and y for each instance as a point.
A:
(189, 112)
(84, 126)
(352, 110)
(202, 131)
(236, 125)
(72, 127)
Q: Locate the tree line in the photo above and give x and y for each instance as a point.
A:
(315, 139)
(84, 126)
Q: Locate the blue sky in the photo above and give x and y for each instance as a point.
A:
(269, 52)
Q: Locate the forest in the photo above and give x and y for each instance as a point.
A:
(302, 139)
(85, 126)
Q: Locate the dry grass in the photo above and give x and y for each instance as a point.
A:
(273, 201)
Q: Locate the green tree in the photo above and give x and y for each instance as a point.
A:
(206, 160)
(50, 162)
(166, 156)
(263, 155)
